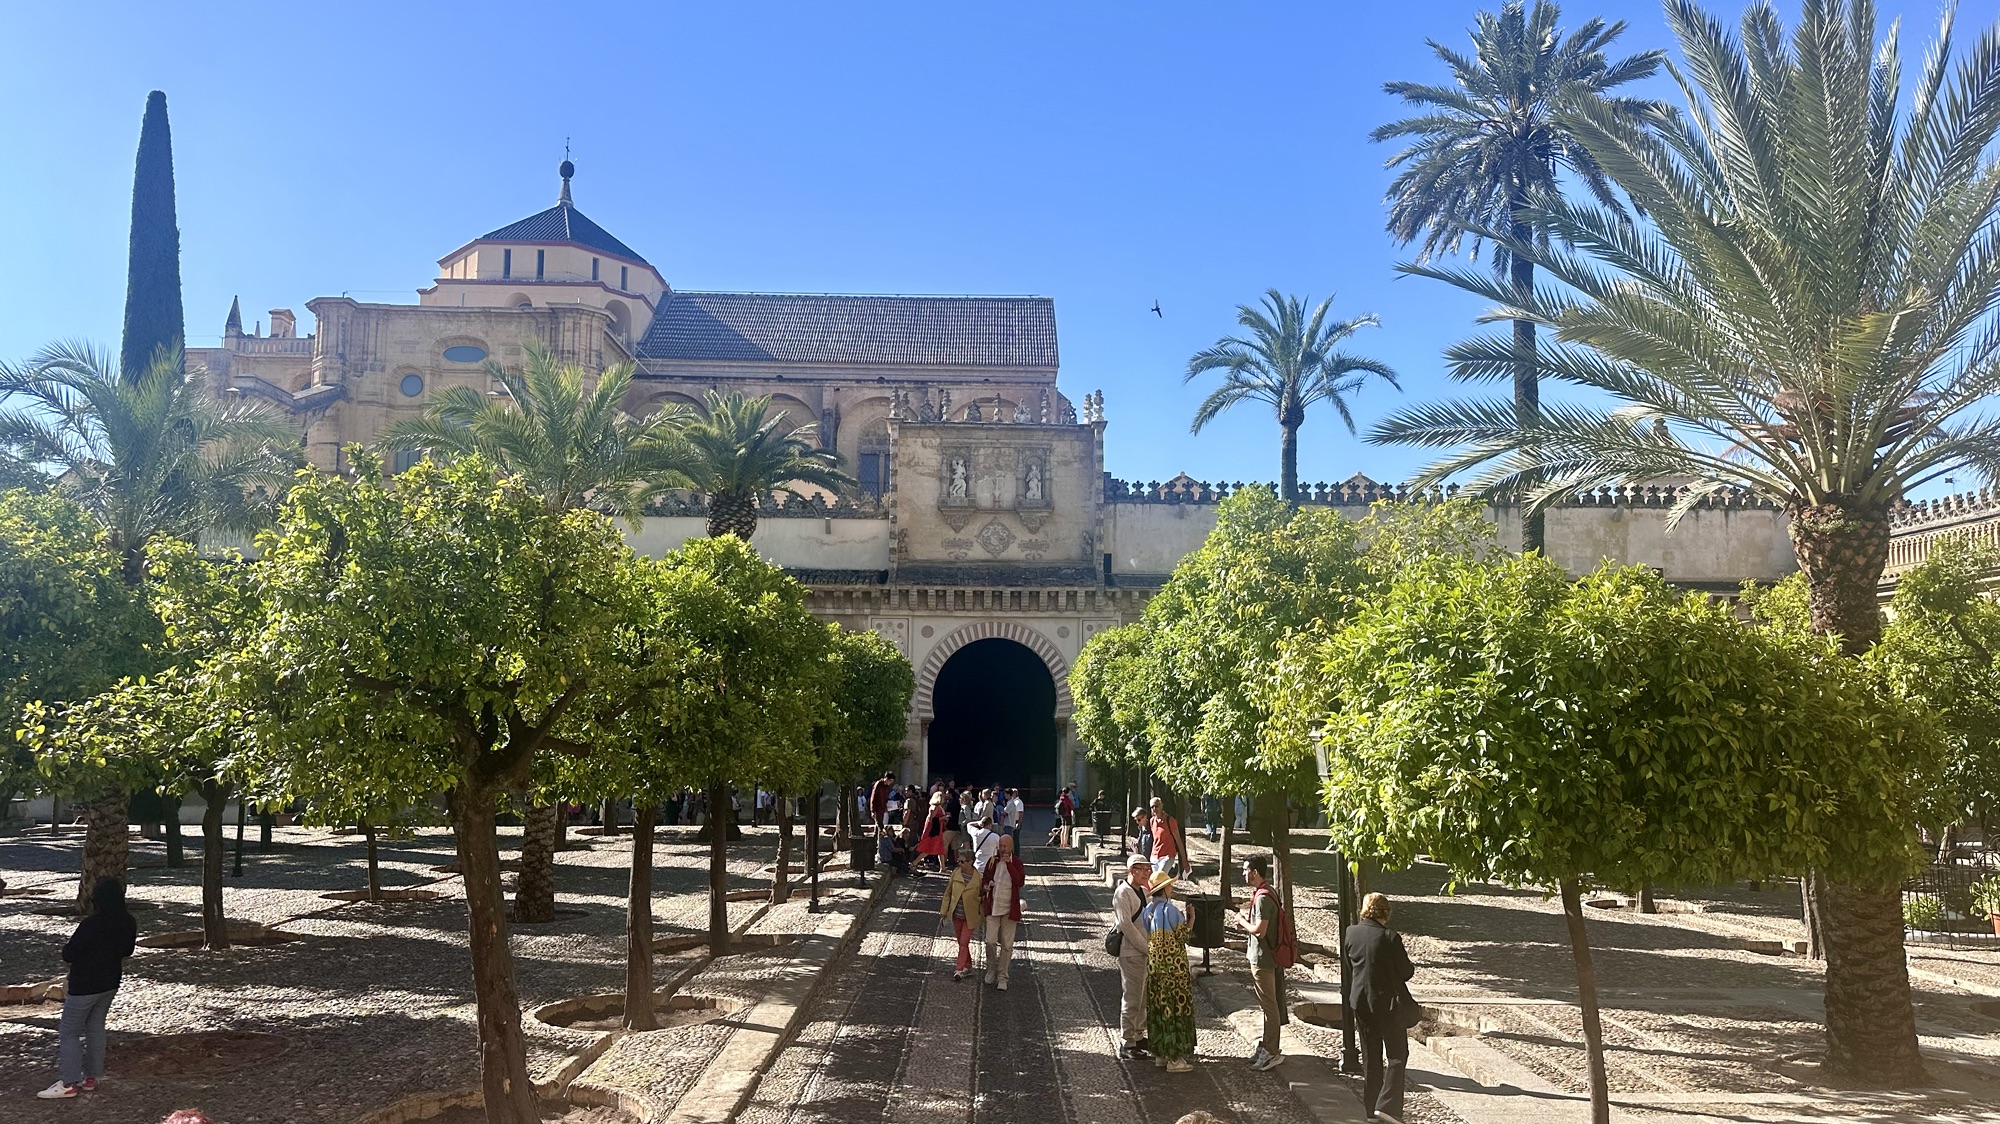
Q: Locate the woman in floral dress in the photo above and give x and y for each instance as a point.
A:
(1169, 984)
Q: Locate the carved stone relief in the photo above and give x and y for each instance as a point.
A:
(956, 549)
(995, 538)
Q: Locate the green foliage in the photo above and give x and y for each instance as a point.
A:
(149, 454)
(561, 430)
(1492, 139)
(1942, 647)
(1923, 911)
(1806, 312)
(154, 322)
(1524, 728)
(1290, 360)
(736, 455)
(69, 624)
(871, 684)
(1113, 681)
(1986, 897)
(432, 635)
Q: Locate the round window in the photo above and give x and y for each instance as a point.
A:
(413, 385)
(465, 353)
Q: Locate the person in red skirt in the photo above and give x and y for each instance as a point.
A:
(930, 841)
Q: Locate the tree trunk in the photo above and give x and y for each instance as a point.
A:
(1586, 992)
(535, 893)
(1288, 462)
(1871, 1030)
(1947, 839)
(812, 839)
(639, 922)
(214, 927)
(1646, 903)
(843, 815)
(106, 839)
(1281, 848)
(718, 870)
(176, 849)
(1228, 842)
(503, 1051)
(562, 824)
(374, 864)
(732, 514)
(1871, 1034)
(1527, 376)
(609, 815)
(265, 822)
(781, 888)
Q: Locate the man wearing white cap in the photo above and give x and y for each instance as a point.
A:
(1128, 901)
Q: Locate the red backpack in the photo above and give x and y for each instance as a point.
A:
(1285, 948)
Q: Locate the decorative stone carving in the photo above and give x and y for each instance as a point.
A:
(1043, 416)
(1033, 549)
(1033, 489)
(972, 413)
(956, 549)
(1021, 414)
(957, 518)
(1032, 520)
(958, 477)
(995, 538)
(896, 630)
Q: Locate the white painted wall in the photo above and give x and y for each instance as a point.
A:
(819, 544)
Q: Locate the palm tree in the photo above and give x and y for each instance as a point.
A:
(1289, 362)
(149, 455)
(1809, 316)
(565, 436)
(561, 432)
(736, 456)
(1486, 147)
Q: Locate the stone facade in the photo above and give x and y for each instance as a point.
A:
(986, 512)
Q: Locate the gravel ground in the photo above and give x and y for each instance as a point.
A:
(375, 1002)
(1688, 1011)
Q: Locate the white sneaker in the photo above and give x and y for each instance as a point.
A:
(1002, 985)
(57, 1091)
(1180, 1065)
(1272, 1062)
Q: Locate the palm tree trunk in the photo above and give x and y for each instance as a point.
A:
(1871, 1033)
(1527, 379)
(106, 841)
(214, 927)
(719, 823)
(1288, 462)
(535, 894)
(730, 514)
(639, 922)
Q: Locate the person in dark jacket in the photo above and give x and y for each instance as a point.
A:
(1379, 996)
(96, 956)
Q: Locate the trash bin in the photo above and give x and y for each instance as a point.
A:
(1100, 822)
(1205, 919)
(861, 857)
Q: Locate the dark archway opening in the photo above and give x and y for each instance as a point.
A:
(995, 719)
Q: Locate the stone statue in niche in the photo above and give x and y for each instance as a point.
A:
(1021, 413)
(1033, 488)
(960, 486)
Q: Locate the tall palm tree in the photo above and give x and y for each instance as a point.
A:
(563, 434)
(150, 455)
(1289, 361)
(559, 430)
(1485, 147)
(1810, 315)
(736, 456)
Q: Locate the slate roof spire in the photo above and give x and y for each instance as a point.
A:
(566, 170)
(234, 325)
(564, 223)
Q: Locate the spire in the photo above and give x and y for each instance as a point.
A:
(234, 325)
(566, 170)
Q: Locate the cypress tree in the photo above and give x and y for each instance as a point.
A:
(153, 316)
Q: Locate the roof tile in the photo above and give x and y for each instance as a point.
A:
(871, 330)
(564, 223)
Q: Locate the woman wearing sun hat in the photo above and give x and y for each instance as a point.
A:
(1169, 984)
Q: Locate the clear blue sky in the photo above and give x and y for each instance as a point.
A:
(1105, 154)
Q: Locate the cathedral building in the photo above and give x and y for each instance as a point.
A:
(986, 539)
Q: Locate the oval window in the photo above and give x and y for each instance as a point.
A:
(413, 385)
(465, 353)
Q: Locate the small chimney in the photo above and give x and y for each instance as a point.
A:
(283, 324)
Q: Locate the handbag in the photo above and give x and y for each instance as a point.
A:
(1404, 1010)
(1114, 941)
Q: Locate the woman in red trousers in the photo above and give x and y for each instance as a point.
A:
(961, 904)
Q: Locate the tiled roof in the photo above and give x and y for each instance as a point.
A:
(910, 331)
(564, 223)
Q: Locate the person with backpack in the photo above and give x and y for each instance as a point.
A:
(1066, 815)
(1379, 995)
(1262, 922)
(96, 955)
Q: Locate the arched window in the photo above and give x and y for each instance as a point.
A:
(621, 320)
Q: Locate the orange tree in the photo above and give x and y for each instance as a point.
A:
(437, 633)
(1523, 728)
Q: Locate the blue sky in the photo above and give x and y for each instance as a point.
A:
(1105, 154)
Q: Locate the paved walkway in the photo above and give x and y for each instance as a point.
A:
(892, 1038)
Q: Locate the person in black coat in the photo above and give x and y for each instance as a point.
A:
(96, 955)
(1377, 992)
